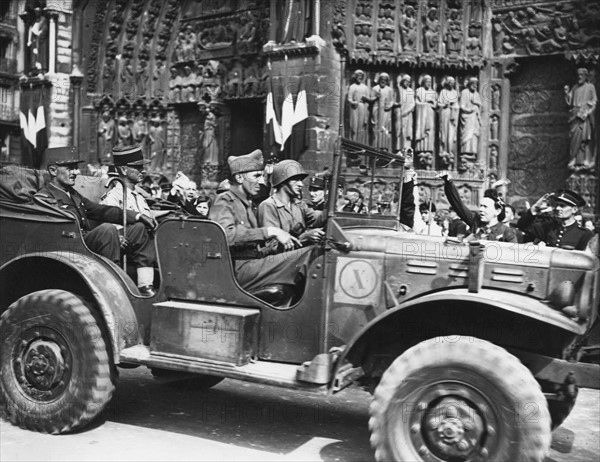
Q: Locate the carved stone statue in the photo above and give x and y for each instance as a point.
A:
(381, 117)
(160, 78)
(408, 29)
(37, 41)
(453, 33)
(210, 143)
(426, 102)
(141, 78)
(106, 136)
(358, 99)
(175, 86)
(448, 115)
(496, 98)
(156, 139)
(189, 46)
(124, 134)
(582, 101)
(470, 117)
(432, 31)
(139, 131)
(494, 123)
(404, 113)
(188, 85)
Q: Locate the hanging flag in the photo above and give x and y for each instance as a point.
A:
(301, 106)
(41, 137)
(299, 138)
(287, 114)
(27, 149)
(272, 117)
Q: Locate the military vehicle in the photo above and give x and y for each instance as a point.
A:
(469, 348)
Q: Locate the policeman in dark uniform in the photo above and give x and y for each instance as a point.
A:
(253, 248)
(561, 230)
(316, 189)
(103, 239)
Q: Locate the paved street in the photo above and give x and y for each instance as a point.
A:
(238, 421)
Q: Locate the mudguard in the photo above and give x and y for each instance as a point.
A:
(512, 302)
(106, 290)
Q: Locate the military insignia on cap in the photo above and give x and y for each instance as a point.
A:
(569, 197)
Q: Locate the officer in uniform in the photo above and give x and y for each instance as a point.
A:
(129, 166)
(253, 247)
(103, 239)
(561, 230)
(285, 209)
(316, 189)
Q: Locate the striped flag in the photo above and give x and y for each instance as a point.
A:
(272, 117)
(287, 115)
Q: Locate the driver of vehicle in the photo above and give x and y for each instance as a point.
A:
(285, 209)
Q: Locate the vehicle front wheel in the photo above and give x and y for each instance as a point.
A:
(461, 400)
(56, 372)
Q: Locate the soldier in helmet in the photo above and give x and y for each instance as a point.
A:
(285, 209)
(252, 249)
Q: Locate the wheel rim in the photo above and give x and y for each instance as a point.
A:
(42, 363)
(451, 421)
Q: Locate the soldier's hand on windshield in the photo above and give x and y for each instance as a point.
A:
(149, 222)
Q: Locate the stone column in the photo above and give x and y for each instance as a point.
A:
(52, 16)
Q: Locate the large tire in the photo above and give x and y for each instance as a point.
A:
(56, 373)
(465, 400)
(181, 379)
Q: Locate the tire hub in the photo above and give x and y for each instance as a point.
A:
(450, 423)
(42, 364)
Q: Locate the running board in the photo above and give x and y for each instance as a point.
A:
(265, 372)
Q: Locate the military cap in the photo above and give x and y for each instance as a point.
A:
(64, 155)
(316, 182)
(569, 197)
(128, 155)
(246, 163)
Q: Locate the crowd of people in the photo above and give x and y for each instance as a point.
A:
(266, 217)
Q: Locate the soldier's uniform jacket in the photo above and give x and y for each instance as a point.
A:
(83, 208)
(135, 201)
(237, 215)
(554, 234)
(294, 218)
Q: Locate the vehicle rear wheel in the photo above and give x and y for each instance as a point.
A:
(185, 379)
(56, 372)
(459, 401)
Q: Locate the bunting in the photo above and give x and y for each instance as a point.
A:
(34, 139)
(272, 117)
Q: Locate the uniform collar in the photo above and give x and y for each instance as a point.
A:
(241, 196)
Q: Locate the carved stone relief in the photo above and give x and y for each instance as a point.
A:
(535, 29)
(539, 130)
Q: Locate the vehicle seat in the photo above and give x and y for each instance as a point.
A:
(276, 294)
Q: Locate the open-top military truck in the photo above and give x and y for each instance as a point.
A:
(467, 347)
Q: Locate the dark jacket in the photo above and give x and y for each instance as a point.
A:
(479, 230)
(83, 208)
(553, 233)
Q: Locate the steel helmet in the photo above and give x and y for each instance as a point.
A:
(285, 170)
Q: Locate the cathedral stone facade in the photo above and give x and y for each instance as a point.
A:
(489, 89)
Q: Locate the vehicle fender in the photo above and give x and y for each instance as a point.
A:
(94, 281)
(512, 302)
